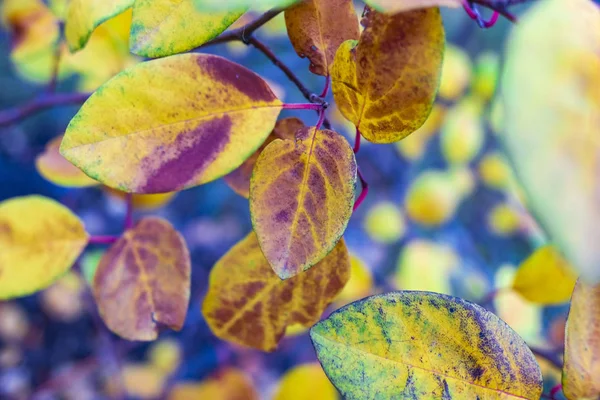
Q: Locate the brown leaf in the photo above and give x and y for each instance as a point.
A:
(143, 281)
(239, 180)
(248, 304)
(318, 27)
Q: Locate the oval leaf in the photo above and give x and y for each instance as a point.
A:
(545, 277)
(143, 281)
(83, 16)
(182, 121)
(422, 345)
(165, 27)
(239, 180)
(40, 240)
(318, 27)
(53, 166)
(231, 5)
(582, 344)
(248, 304)
(386, 84)
(395, 6)
(551, 120)
(301, 198)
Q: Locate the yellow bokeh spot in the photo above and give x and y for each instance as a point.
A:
(456, 73)
(432, 198)
(495, 171)
(462, 133)
(165, 355)
(504, 220)
(360, 284)
(487, 70)
(413, 146)
(385, 223)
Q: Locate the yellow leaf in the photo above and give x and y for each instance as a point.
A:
(305, 382)
(545, 277)
(83, 16)
(165, 27)
(239, 180)
(301, 198)
(227, 384)
(413, 147)
(40, 240)
(551, 119)
(183, 121)
(52, 166)
(143, 201)
(421, 345)
(386, 84)
(396, 6)
(148, 271)
(248, 304)
(582, 347)
(318, 27)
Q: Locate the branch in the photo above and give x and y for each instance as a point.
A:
(41, 103)
(244, 32)
(501, 6)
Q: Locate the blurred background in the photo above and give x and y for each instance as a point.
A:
(443, 214)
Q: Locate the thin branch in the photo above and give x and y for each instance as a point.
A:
(38, 104)
(549, 355)
(501, 6)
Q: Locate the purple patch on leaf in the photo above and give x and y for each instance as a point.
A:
(198, 147)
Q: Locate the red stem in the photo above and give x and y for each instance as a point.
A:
(321, 119)
(555, 390)
(103, 239)
(303, 106)
(326, 88)
(363, 192)
(475, 15)
(357, 141)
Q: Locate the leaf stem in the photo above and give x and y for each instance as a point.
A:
(38, 104)
(363, 192)
(103, 239)
(555, 390)
(321, 119)
(326, 88)
(357, 141)
(500, 6)
(303, 106)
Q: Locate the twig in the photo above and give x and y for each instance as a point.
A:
(41, 103)
(501, 6)
(363, 192)
(549, 355)
(245, 31)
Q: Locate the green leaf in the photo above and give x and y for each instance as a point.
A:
(421, 345)
(230, 5)
(165, 27)
(182, 121)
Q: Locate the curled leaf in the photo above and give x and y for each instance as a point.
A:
(421, 345)
(148, 271)
(301, 198)
(248, 304)
(387, 82)
(183, 121)
(318, 27)
(40, 240)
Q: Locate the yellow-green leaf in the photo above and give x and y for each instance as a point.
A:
(318, 27)
(581, 369)
(248, 304)
(239, 180)
(545, 277)
(40, 240)
(305, 382)
(182, 121)
(231, 5)
(396, 6)
(143, 281)
(421, 345)
(301, 198)
(165, 27)
(83, 16)
(386, 84)
(551, 123)
(52, 166)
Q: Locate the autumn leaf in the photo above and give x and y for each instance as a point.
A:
(582, 344)
(423, 345)
(56, 169)
(318, 27)
(301, 198)
(142, 201)
(545, 277)
(165, 27)
(83, 16)
(551, 119)
(239, 180)
(230, 5)
(250, 305)
(148, 271)
(185, 120)
(305, 382)
(226, 384)
(395, 6)
(387, 82)
(40, 240)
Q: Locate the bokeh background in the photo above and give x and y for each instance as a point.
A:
(443, 214)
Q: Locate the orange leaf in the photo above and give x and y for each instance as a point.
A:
(239, 179)
(248, 304)
(318, 27)
(301, 198)
(143, 281)
(228, 384)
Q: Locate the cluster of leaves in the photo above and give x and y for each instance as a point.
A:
(183, 120)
